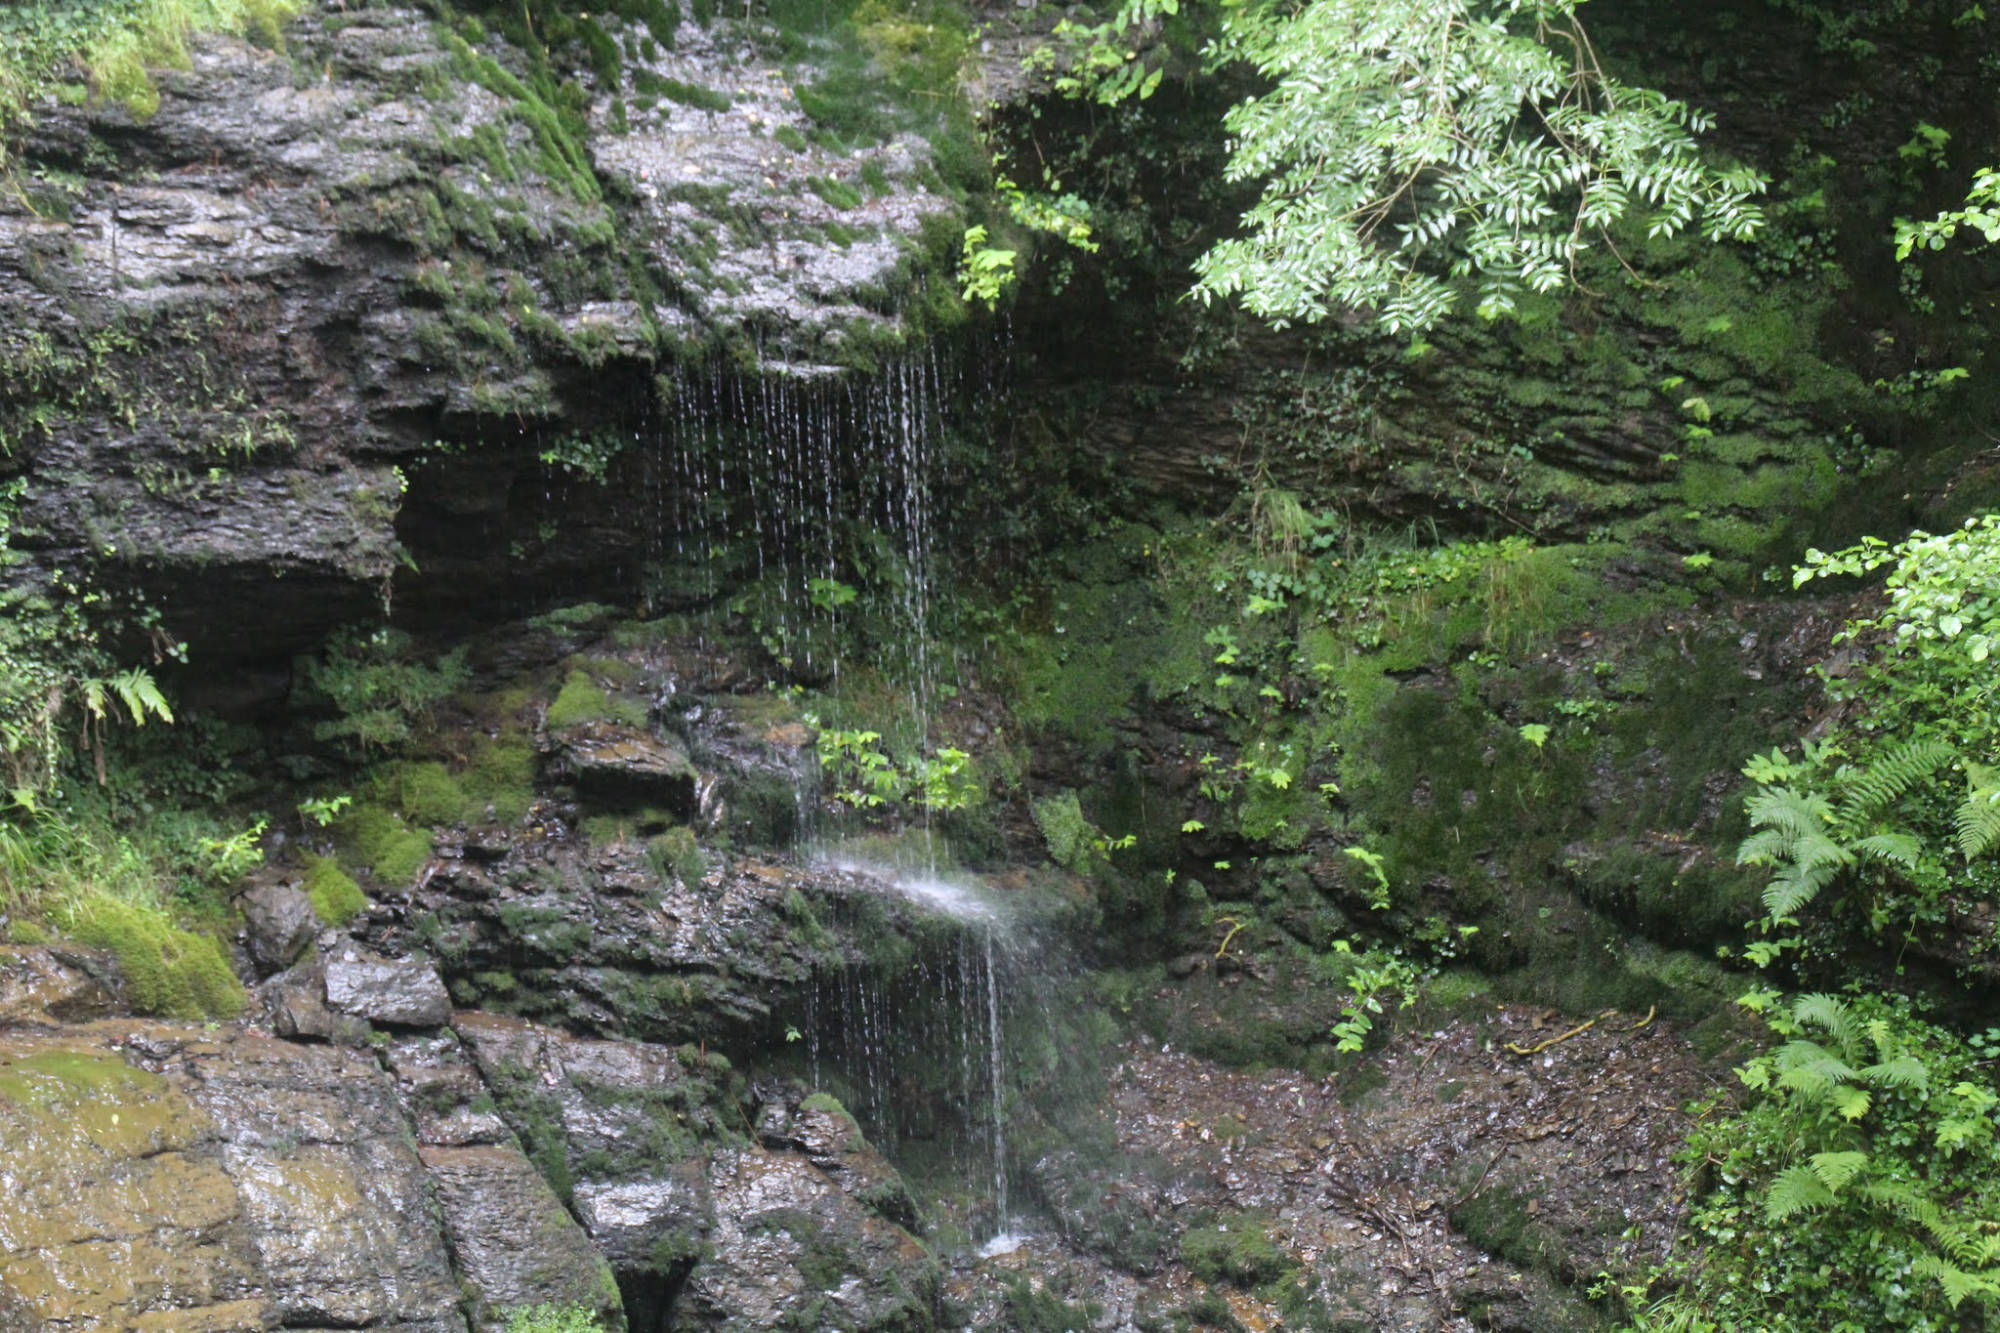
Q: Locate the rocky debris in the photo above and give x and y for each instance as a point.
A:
(394, 992)
(511, 1240)
(1448, 1183)
(46, 985)
(278, 924)
(624, 764)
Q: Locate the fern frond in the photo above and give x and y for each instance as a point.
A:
(1905, 1071)
(1796, 885)
(1831, 1015)
(1795, 1190)
(1791, 813)
(1835, 1169)
(1766, 847)
(1900, 849)
(1978, 820)
(1810, 1068)
(141, 696)
(1892, 774)
(1957, 1283)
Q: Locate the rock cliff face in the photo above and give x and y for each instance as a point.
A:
(232, 328)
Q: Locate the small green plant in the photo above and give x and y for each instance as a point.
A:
(1856, 1189)
(229, 858)
(323, 810)
(553, 1319)
(375, 688)
(1373, 976)
(984, 271)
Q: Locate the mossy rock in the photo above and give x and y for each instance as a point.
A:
(676, 855)
(427, 793)
(500, 780)
(583, 700)
(336, 898)
(168, 971)
(391, 850)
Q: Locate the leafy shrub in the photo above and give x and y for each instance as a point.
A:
(377, 691)
(336, 898)
(1858, 1189)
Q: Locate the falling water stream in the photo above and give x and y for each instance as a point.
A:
(796, 482)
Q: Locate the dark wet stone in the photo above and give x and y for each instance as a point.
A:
(395, 992)
(511, 1240)
(278, 924)
(43, 985)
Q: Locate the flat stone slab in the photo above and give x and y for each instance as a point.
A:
(624, 763)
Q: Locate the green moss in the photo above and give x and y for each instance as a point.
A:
(582, 700)
(392, 851)
(22, 931)
(676, 855)
(336, 898)
(501, 779)
(687, 94)
(428, 794)
(1236, 1251)
(55, 1078)
(168, 971)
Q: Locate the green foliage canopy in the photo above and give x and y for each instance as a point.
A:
(1477, 137)
(1413, 150)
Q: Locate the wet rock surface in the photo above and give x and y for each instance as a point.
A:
(394, 992)
(178, 1181)
(624, 763)
(612, 939)
(278, 924)
(44, 985)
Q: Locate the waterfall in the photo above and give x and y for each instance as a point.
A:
(903, 1041)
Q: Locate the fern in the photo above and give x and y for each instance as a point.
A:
(1835, 1169)
(1795, 1190)
(1977, 818)
(1886, 780)
(1833, 1016)
(1793, 838)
